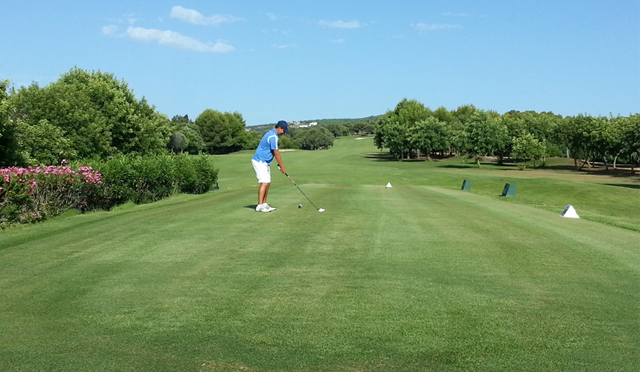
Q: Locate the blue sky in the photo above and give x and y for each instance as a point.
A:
(301, 60)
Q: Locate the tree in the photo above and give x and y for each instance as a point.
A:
(8, 141)
(185, 129)
(631, 140)
(222, 133)
(465, 113)
(619, 137)
(177, 142)
(583, 136)
(43, 143)
(527, 147)
(541, 125)
(445, 116)
(178, 119)
(485, 134)
(314, 139)
(363, 128)
(430, 135)
(286, 141)
(98, 114)
(393, 128)
(251, 140)
(338, 130)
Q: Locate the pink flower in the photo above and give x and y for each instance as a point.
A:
(64, 161)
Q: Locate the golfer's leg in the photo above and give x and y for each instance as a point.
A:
(262, 192)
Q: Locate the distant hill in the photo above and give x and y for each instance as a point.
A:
(264, 127)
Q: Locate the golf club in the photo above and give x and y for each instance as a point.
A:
(305, 195)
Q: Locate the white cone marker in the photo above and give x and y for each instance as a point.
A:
(569, 212)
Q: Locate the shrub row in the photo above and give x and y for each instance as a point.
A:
(35, 194)
(151, 178)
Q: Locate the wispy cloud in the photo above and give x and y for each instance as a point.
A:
(338, 41)
(423, 27)
(197, 18)
(341, 24)
(175, 40)
(284, 46)
(129, 18)
(272, 16)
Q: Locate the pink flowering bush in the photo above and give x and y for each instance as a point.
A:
(36, 193)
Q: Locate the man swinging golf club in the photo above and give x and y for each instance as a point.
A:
(266, 151)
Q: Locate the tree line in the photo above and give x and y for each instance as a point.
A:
(322, 136)
(89, 115)
(413, 130)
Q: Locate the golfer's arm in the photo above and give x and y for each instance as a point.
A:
(276, 154)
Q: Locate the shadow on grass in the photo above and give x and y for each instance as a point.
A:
(503, 166)
(385, 156)
(251, 206)
(595, 171)
(381, 156)
(508, 164)
(458, 166)
(637, 187)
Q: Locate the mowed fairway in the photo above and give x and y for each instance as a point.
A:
(417, 277)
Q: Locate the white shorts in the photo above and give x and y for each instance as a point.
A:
(263, 172)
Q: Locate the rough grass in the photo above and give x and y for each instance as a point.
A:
(419, 277)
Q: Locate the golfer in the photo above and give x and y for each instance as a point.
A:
(266, 151)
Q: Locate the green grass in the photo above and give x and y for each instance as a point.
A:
(419, 277)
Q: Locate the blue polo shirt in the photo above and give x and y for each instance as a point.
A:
(268, 143)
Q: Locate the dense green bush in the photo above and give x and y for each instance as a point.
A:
(314, 138)
(144, 179)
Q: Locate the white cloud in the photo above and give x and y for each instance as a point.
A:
(341, 24)
(429, 27)
(196, 18)
(176, 40)
(338, 41)
(272, 16)
(111, 30)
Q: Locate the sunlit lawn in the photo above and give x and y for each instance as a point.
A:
(417, 277)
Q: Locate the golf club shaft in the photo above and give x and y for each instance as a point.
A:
(305, 195)
(296, 185)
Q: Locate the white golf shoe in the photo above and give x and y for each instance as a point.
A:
(264, 208)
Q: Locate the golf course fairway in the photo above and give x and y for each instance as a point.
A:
(417, 277)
